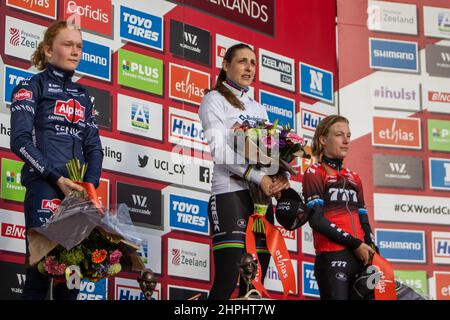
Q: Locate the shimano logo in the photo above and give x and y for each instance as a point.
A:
(403, 245)
(92, 58)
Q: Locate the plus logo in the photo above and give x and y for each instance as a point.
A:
(205, 175)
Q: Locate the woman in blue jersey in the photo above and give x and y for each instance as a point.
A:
(230, 204)
(51, 123)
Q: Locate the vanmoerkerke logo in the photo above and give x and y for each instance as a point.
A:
(190, 42)
(397, 171)
(438, 60)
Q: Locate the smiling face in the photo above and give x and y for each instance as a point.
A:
(66, 49)
(242, 67)
(336, 144)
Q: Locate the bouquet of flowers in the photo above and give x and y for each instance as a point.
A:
(270, 148)
(83, 237)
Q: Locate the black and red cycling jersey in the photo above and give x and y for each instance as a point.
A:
(339, 220)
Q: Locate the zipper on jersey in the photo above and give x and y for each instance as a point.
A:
(346, 206)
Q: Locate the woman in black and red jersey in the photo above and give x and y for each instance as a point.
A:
(341, 229)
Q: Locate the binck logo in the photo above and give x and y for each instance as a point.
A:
(51, 205)
(65, 108)
(13, 231)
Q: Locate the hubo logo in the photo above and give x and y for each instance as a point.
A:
(438, 60)
(398, 171)
(192, 262)
(276, 70)
(142, 28)
(187, 84)
(393, 55)
(397, 132)
(439, 173)
(44, 8)
(188, 214)
(316, 82)
(13, 76)
(140, 116)
(66, 109)
(128, 289)
(94, 16)
(438, 135)
(190, 42)
(392, 17)
(310, 119)
(95, 61)
(436, 22)
(186, 130)
(441, 247)
(278, 107)
(12, 188)
(140, 72)
(144, 204)
(22, 37)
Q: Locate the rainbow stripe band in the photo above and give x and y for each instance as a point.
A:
(236, 244)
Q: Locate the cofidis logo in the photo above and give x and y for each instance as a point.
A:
(140, 72)
(393, 55)
(278, 107)
(142, 28)
(316, 83)
(13, 76)
(401, 245)
(95, 61)
(94, 16)
(188, 214)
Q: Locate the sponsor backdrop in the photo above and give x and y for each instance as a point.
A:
(394, 88)
(147, 64)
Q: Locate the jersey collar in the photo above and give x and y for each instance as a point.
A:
(59, 74)
(235, 88)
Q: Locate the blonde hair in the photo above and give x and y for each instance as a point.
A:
(38, 58)
(323, 130)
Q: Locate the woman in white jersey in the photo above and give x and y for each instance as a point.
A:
(230, 204)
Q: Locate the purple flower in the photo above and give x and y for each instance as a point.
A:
(115, 256)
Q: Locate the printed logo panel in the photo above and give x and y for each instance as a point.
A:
(190, 42)
(436, 22)
(272, 281)
(307, 240)
(185, 293)
(187, 84)
(141, 72)
(393, 55)
(185, 129)
(140, 117)
(438, 135)
(141, 28)
(259, 16)
(144, 203)
(416, 279)
(44, 8)
(401, 245)
(439, 173)
(278, 107)
(13, 76)
(397, 171)
(93, 16)
(392, 17)
(101, 102)
(441, 247)
(394, 94)
(442, 285)
(310, 287)
(411, 209)
(150, 251)
(222, 45)
(12, 228)
(22, 38)
(12, 188)
(188, 259)
(438, 60)
(90, 290)
(95, 61)
(397, 133)
(436, 96)
(128, 289)
(276, 70)
(316, 83)
(188, 214)
(12, 278)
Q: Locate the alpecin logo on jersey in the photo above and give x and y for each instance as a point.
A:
(65, 108)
